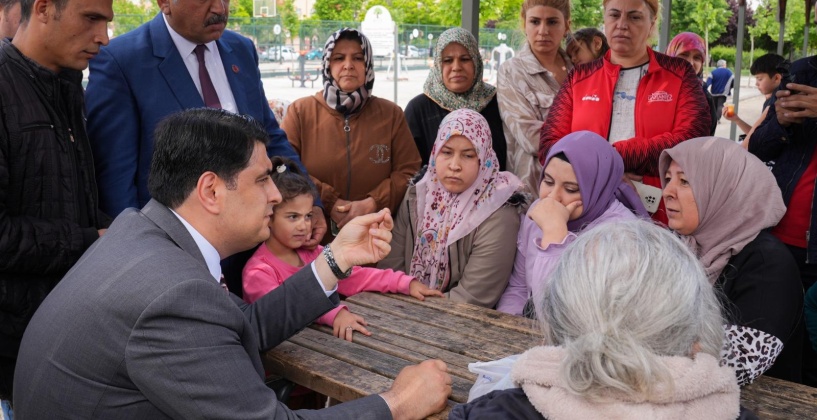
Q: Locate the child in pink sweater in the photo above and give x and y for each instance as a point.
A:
(282, 255)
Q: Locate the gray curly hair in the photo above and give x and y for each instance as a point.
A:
(622, 295)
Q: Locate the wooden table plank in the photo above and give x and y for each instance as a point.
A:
(463, 310)
(388, 343)
(778, 399)
(482, 342)
(363, 357)
(306, 367)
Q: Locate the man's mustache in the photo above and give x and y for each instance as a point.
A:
(216, 19)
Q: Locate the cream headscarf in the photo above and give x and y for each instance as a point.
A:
(480, 93)
(736, 195)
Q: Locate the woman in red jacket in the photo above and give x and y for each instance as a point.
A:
(641, 101)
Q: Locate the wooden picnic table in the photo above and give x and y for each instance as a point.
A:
(406, 331)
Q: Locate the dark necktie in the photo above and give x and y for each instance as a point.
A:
(208, 91)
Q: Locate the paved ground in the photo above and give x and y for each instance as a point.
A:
(411, 85)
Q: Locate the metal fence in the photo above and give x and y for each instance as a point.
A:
(313, 34)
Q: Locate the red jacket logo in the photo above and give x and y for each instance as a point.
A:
(659, 96)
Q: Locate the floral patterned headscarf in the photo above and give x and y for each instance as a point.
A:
(480, 93)
(448, 217)
(347, 103)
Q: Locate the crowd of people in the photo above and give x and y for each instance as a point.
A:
(655, 256)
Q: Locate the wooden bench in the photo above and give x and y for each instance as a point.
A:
(406, 331)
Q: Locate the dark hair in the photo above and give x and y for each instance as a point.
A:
(6, 5)
(349, 34)
(562, 156)
(289, 179)
(192, 142)
(27, 5)
(766, 63)
(586, 35)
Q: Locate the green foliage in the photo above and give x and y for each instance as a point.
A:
(338, 10)
(289, 17)
(721, 52)
(767, 24)
(588, 14)
(128, 16)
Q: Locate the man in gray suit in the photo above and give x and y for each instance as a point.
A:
(140, 327)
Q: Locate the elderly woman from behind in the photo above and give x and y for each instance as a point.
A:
(528, 82)
(632, 330)
(641, 101)
(722, 200)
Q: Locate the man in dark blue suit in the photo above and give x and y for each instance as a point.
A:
(154, 71)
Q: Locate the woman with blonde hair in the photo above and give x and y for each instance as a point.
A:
(528, 82)
(641, 101)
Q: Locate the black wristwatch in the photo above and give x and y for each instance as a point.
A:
(330, 259)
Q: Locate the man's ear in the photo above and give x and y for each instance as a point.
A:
(164, 6)
(209, 192)
(41, 9)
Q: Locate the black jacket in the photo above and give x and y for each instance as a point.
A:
(788, 150)
(48, 201)
(760, 288)
(424, 117)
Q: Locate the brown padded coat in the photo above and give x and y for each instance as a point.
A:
(481, 262)
(375, 158)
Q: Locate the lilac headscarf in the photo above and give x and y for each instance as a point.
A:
(599, 171)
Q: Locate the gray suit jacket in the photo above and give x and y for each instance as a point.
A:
(139, 329)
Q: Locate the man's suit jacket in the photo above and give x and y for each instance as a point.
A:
(139, 79)
(139, 329)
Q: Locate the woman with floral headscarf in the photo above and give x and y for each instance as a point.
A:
(453, 83)
(456, 230)
(356, 147)
(691, 47)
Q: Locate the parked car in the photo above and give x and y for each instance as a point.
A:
(414, 52)
(274, 53)
(315, 54)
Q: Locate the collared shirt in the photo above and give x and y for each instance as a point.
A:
(213, 260)
(212, 60)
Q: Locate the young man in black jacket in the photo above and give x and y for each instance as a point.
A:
(48, 203)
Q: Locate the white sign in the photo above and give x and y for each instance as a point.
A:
(378, 26)
(276, 29)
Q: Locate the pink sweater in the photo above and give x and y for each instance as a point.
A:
(264, 272)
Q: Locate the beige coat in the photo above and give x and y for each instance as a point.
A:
(481, 262)
(375, 158)
(525, 91)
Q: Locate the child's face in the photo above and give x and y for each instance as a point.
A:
(767, 84)
(580, 53)
(291, 224)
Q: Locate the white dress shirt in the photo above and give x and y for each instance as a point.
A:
(212, 60)
(213, 260)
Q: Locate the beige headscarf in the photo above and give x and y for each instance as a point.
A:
(736, 194)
